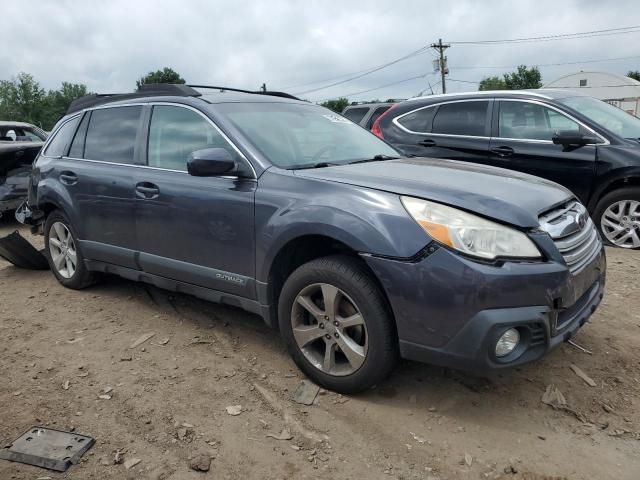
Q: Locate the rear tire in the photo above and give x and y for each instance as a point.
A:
(617, 216)
(335, 306)
(64, 254)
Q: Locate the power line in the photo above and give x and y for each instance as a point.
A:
(386, 85)
(361, 73)
(546, 64)
(562, 36)
(368, 72)
(331, 79)
(463, 81)
(378, 88)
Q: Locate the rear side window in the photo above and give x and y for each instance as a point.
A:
(111, 134)
(419, 121)
(60, 142)
(356, 114)
(77, 146)
(375, 115)
(175, 132)
(461, 118)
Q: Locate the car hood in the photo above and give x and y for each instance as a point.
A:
(496, 193)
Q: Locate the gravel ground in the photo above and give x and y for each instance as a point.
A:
(165, 401)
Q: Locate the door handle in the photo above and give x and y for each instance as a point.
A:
(147, 190)
(427, 143)
(68, 178)
(503, 151)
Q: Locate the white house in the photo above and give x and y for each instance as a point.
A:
(618, 90)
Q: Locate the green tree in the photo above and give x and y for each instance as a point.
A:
(492, 83)
(57, 102)
(336, 105)
(635, 74)
(523, 78)
(166, 75)
(21, 99)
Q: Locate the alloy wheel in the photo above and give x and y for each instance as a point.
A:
(62, 249)
(621, 223)
(329, 329)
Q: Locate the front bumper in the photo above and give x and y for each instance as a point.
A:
(450, 310)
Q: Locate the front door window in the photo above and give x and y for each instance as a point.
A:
(531, 121)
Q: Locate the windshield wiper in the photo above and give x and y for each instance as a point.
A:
(375, 158)
(313, 165)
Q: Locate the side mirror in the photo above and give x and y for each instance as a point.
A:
(211, 162)
(570, 138)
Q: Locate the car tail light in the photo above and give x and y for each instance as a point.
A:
(375, 128)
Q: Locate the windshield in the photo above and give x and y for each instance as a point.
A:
(292, 135)
(612, 118)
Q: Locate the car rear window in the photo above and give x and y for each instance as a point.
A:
(111, 135)
(60, 142)
(356, 114)
(461, 118)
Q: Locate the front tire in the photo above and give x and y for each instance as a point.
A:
(337, 325)
(63, 253)
(618, 217)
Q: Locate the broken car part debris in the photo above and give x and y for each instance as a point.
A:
(48, 448)
(18, 251)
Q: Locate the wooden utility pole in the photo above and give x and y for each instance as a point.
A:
(441, 47)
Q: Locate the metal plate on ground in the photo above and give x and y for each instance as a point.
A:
(48, 448)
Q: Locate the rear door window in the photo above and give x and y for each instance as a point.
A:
(111, 134)
(376, 114)
(461, 118)
(418, 121)
(60, 142)
(356, 114)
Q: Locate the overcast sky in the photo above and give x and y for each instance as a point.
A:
(108, 45)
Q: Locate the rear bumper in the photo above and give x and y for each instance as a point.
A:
(450, 311)
(10, 204)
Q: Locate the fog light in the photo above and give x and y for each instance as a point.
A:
(507, 342)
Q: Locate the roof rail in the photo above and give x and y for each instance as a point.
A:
(158, 89)
(255, 92)
(177, 89)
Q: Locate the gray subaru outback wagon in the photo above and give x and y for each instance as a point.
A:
(357, 254)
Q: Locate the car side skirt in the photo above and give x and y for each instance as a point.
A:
(181, 287)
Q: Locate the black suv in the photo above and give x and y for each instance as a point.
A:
(587, 145)
(291, 211)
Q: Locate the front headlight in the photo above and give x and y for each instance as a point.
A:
(468, 233)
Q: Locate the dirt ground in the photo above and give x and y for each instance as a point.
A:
(164, 401)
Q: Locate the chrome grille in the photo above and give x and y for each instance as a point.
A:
(574, 233)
